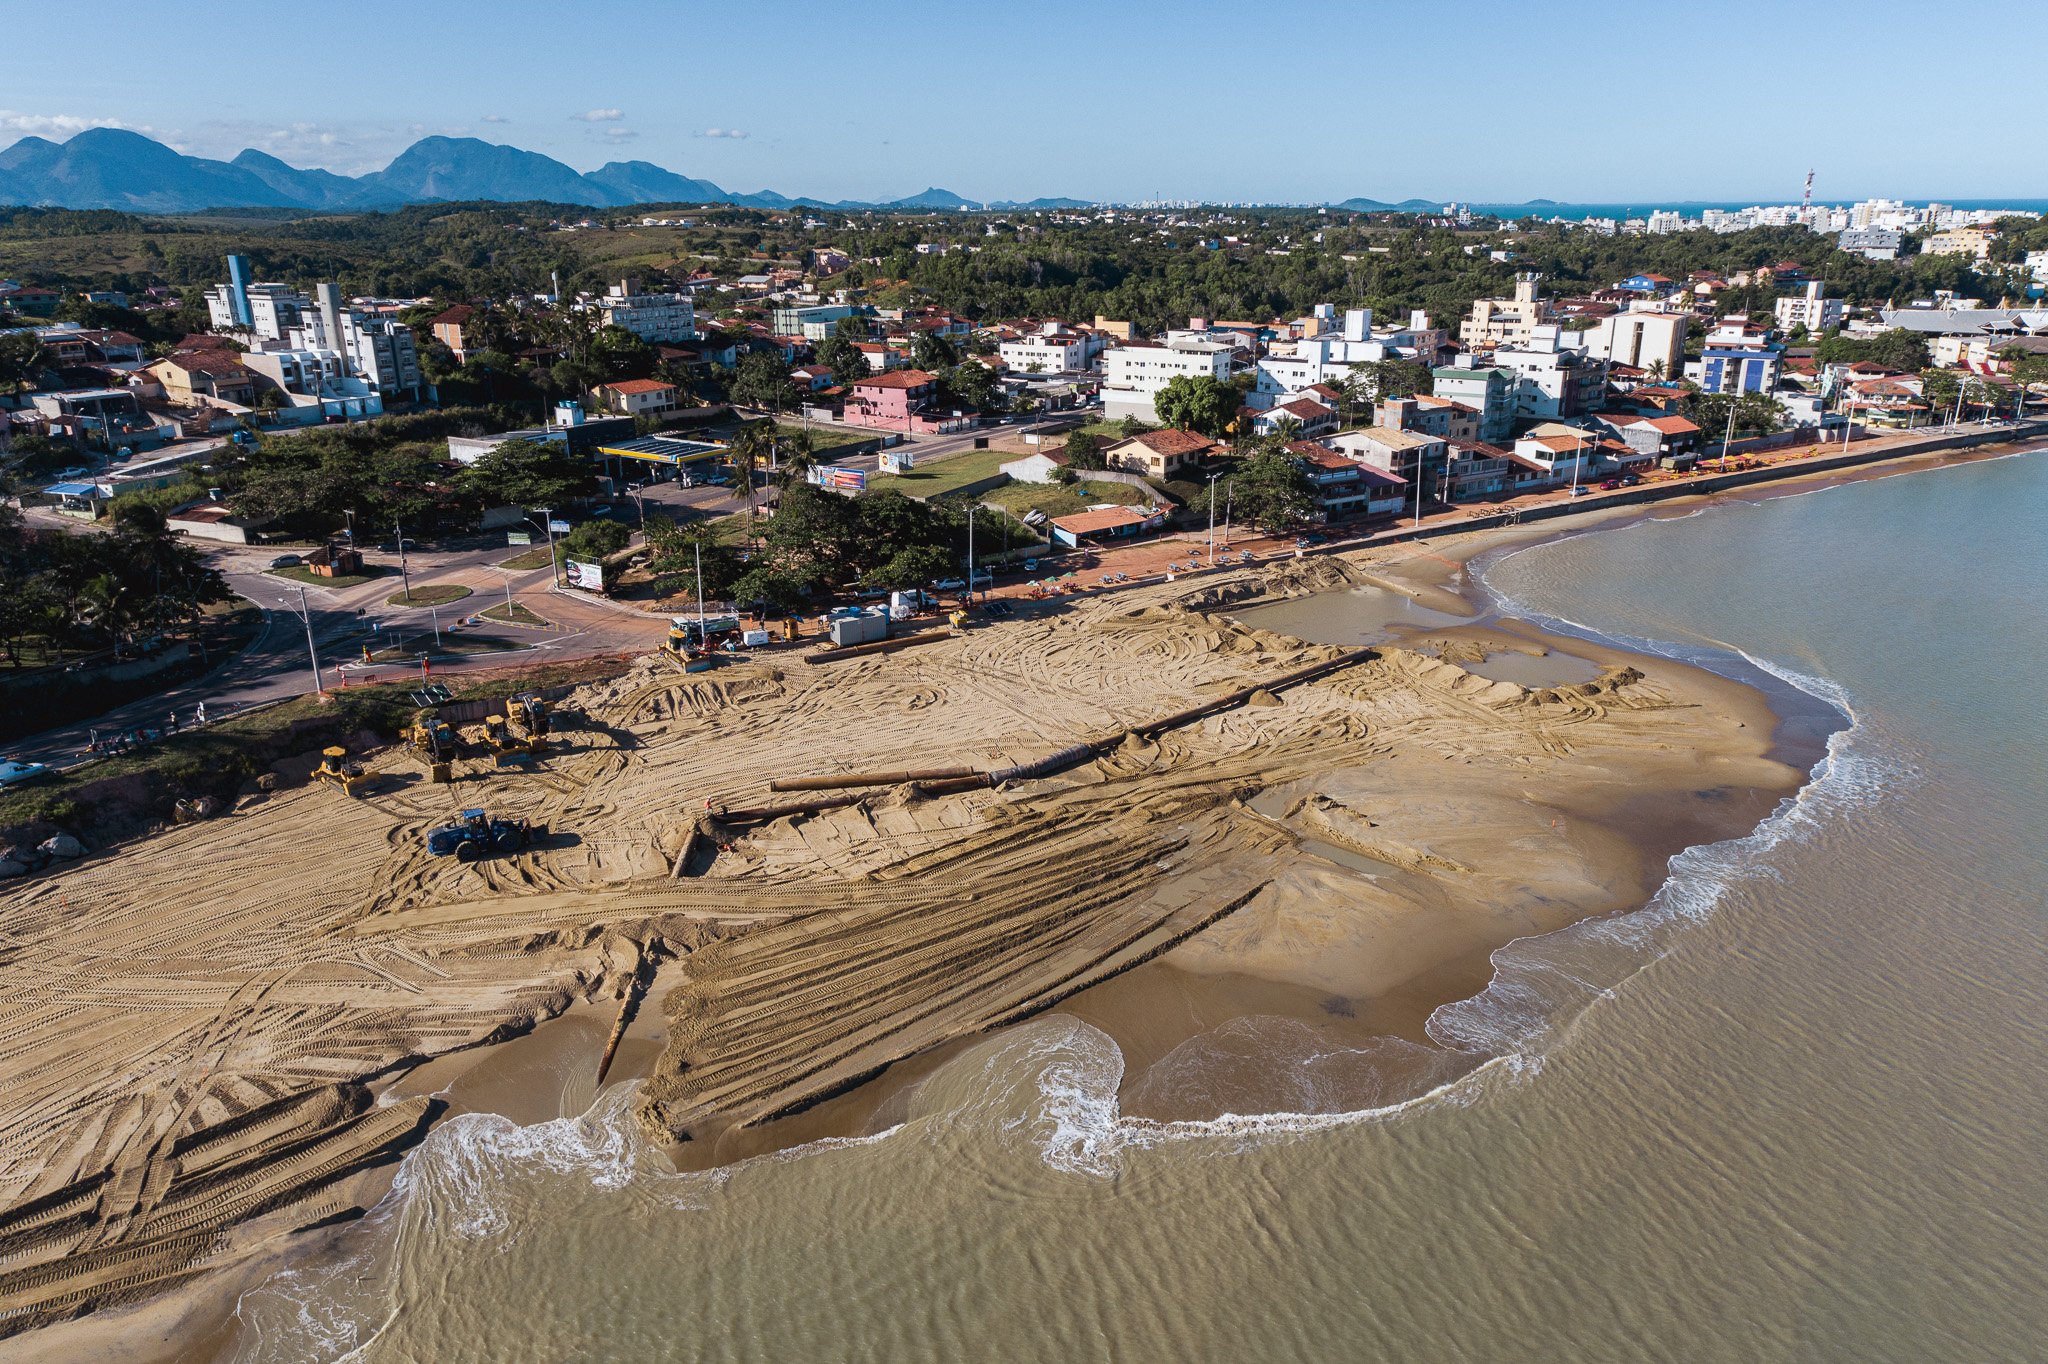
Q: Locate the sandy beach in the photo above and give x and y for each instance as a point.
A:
(209, 1035)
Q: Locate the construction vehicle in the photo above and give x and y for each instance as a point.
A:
(337, 769)
(504, 745)
(433, 741)
(475, 835)
(528, 712)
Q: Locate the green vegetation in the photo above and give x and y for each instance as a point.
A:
(436, 594)
(299, 573)
(527, 560)
(1197, 403)
(1064, 499)
(512, 613)
(945, 476)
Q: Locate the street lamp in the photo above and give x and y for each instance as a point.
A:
(1212, 520)
(306, 617)
(547, 528)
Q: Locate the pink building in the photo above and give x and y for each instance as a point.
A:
(901, 400)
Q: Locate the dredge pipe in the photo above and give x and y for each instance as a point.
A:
(839, 781)
(763, 814)
(880, 646)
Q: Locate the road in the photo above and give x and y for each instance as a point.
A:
(277, 665)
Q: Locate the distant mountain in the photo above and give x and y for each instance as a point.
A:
(310, 188)
(1376, 206)
(459, 168)
(114, 168)
(643, 182)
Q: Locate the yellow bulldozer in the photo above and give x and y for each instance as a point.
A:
(527, 716)
(338, 769)
(433, 742)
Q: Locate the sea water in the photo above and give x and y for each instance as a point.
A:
(1791, 1110)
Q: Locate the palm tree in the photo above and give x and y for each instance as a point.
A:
(1656, 371)
(798, 459)
(746, 453)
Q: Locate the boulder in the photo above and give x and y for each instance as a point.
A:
(9, 869)
(267, 782)
(27, 856)
(62, 846)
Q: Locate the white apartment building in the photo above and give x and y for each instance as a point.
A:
(1640, 338)
(1049, 351)
(274, 309)
(1666, 220)
(1132, 374)
(654, 318)
(1555, 376)
(1327, 357)
(1809, 310)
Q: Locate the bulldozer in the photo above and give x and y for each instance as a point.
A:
(504, 745)
(338, 769)
(433, 742)
(528, 712)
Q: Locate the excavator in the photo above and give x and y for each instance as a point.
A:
(528, 712)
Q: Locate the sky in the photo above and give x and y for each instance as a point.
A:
(1282, 101)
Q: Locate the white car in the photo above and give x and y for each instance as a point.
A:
(949, 584)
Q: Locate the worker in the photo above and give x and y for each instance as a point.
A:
(199, 713)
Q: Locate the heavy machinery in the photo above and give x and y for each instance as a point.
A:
(338, 769)
(475, 835)
(505, 746)
(433, 741)
(528, 712)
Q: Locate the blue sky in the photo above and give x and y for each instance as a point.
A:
(1574, 100)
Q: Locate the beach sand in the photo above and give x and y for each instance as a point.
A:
(197, 1026)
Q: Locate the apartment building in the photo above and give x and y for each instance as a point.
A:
(1134, 373)
(1645, 339)
(654, 318)
(1809, 309)
(1505, 321)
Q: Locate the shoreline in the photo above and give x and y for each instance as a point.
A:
(877, 1092)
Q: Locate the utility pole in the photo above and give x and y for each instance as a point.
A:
(312, 655)
(404, 572)
(1212, 520)
(547, 515)
(435, 612)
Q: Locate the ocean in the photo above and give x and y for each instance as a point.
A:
(1693, 209)
(1791, 1110)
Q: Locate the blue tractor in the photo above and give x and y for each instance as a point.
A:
(476, 835)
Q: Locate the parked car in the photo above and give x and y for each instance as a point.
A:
(286, 561)
(1609, 485)
(1581, 490)
(1031, 565)
(393, 546)
(949, 584)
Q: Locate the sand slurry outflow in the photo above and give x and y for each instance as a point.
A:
(187, 1026)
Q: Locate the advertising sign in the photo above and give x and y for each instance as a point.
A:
(898, 461)
(588, 576)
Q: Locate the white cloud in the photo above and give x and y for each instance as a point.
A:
(598, 116)
(495, 118)
(64, 125)
(620, 134)
(722, 132)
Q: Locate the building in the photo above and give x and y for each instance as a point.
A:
(448, 330)
(1488, 390)
(1872, 243)
(1133, 374)
(1644, 339)
(654, 318)
(1159, 454)
(316, 382)
(901, 400)
(1809, 310)
(814, 322)
(1408, 454)
(1553, 378)
(637, 397)
(574, 432)
(1310, 418)
(381, 352)
(191, 376)
(1973, 241)
(1106, 523)
(1674, 439)
(1041, 466)
(1345, 486)
(1429, 415)
(1505, 321)
(1049, 351)
(1738, 357)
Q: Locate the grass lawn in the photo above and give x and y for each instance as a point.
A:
(512, 613)
(826, 439)
(936, 480)
(435, 594)
(1056, 499)
(1113, 429)
(302, 574)
(526, 559)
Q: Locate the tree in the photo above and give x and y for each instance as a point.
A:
(973, 387)
(911, 566)
(762, 380)
(930, 351)
(1398, 379)
(1896, 349)
(1082, 452)
(21, 360)
(1271, 490)
(620, 354)
(795, 458)
(1197, 403)
(848, 364)
(674, 549)
(524, 473)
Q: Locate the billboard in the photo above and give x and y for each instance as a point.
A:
(832, 476)
(588, 576)
(898, 461)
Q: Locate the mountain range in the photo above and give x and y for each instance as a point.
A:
(118, 169)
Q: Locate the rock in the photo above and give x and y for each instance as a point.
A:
(267, 782)
(9, 868)
(28, 857)
(64, 846)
